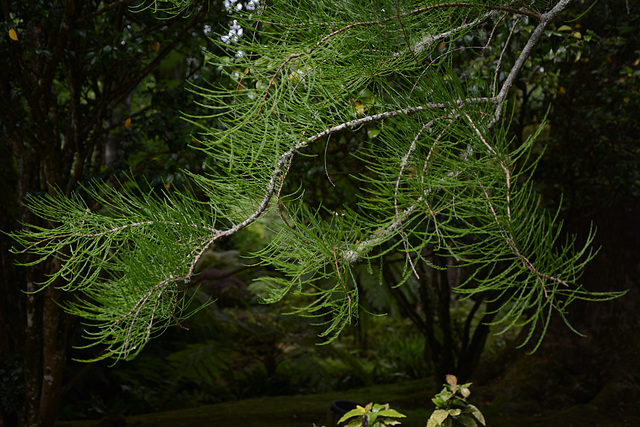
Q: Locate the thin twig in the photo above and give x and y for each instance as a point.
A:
(504, 49)
(344, 285)
(403, 165)
(545, 20)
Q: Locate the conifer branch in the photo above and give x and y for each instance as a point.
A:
(439, 174)
(285, 158)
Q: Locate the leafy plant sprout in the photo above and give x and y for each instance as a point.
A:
(452, 408)
(372, 415)
(439, 174)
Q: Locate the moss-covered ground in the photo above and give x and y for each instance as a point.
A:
(412, 398)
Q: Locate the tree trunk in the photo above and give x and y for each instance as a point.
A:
(447, 352)
(55, 332)
(12, 302)
(32, 354)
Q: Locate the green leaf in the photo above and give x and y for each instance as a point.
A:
(373, 132)
(467, 421)
(357, 412)
(476, 414)
(391, 413)
(439, 415)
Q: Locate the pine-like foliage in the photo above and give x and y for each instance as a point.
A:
(438, 171)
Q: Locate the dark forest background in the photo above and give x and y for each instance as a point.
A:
(91, 89)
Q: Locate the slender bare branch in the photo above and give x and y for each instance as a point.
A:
(545, 20)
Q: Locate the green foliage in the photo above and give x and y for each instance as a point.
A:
(372, 415)
(439, 173)
(452, 408)
(123, 264)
